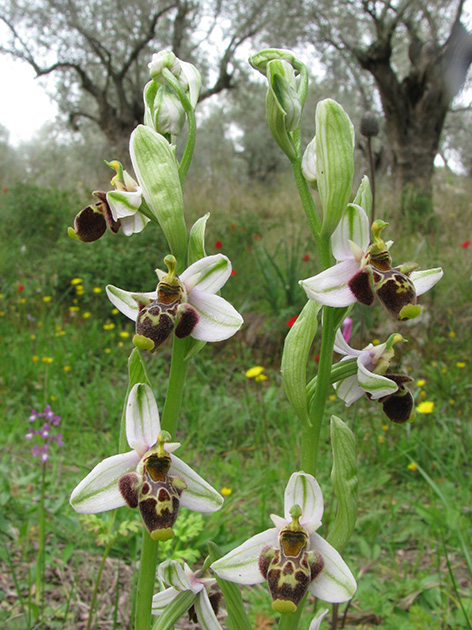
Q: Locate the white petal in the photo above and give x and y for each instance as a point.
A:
(170, 572)
(99, 492)
(218, 320)
(425, 279)
(303, 490)
(161, 600)
(199, 496)
(280, 522)
(318, 618)
(335, 583)
(125, 302)
(142, 419)
(134, 224)
(330, 286)
(354, 226)
(349, 390)
(205, 613)
(342, 347)
(375, 384)
(124, 203)
(242, 564)
(212, 272)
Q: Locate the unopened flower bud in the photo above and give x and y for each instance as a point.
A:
(309, 164)
(260, 60)
(163, 110)
(334, 161)
(163, 59)
(283, 107)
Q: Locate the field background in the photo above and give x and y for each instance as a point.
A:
(64, 346)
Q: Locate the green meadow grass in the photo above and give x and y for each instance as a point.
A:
(62, 344)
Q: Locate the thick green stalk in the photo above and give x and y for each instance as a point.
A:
(169, 420)
(146, 580)
(311, 432)
(307, 200)
(178, 374)
(42, 535)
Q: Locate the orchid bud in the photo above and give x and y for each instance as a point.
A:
(260, 60)
(309, 164)
(156, 169)
(163, 59)
(334, 161)
(191, 80)
(363, 196)
(283, 107)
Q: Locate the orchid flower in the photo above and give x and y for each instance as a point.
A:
(125, 201)
(148, 476)
(116, 209)
(374, 378)
(205, 606)
(186, 304)
(292, 557)
(364, 270)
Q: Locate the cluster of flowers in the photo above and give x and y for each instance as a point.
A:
(47, 436)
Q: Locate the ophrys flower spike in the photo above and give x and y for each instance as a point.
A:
(149, 476)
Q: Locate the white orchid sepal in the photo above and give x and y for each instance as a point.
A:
(103, 489)
(261, 557)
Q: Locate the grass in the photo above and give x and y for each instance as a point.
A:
(64, 346)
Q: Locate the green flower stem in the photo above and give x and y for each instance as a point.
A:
(311, 431)
(192, 125)
(178, 374)
(307, 201)
(339, 372)
(169, 420)
(146, 580)
(99, 575)
(42, 535)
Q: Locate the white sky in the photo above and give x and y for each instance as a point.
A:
(26, 106)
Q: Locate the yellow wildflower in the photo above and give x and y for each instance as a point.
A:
(67, 368)
(375, 342)
(124, 334)
(460, 364)
(35, 358)
(385, 427)
(97, 290)
(107, 350)
(426, 406)
(413, 467)
(86, 315)
(254, 371)
(452, 334)
(47, 359)
(332, 396)
(261, 377)
(74, 309)
(108, 326)
(115, 311)
(76, 281)
(381, 439)
(421, 382)
(226, 491)
(46, 298)
(53, 398)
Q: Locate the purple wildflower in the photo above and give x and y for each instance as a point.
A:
(45, 434)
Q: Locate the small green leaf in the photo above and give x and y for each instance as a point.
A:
(345, 481)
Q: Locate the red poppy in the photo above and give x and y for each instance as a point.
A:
(20, 288)
(257, 237)
(233, 272)
(5, 190)
(292, 320)
(466, 244)
(218, 245)
(306, 258)
(317, 358)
